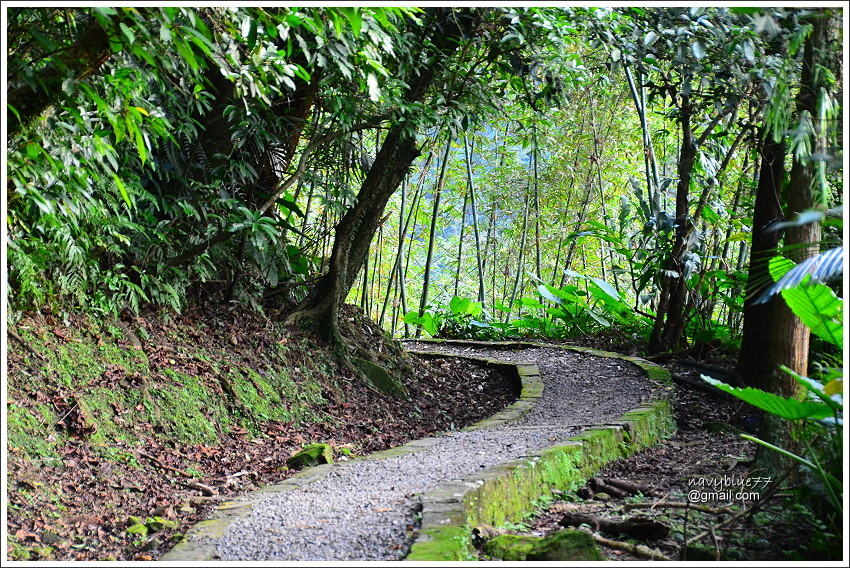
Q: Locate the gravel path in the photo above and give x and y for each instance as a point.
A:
(366, 509)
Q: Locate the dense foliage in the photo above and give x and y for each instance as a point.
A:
(463, 172)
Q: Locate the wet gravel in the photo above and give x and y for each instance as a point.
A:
(366, 509)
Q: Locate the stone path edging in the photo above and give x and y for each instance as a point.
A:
(199, 543)
(450, 511)
(501, 494)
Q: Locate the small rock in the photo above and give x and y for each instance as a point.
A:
(565, 545)
(311, 455)
(48, 537)
(510, 547)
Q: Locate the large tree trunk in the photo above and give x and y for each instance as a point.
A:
(354, 234)
(787, 340)
(753, 365)
(320, 309)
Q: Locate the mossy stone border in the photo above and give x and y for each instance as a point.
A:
(503, 493)
(450, 511)
(199, 543)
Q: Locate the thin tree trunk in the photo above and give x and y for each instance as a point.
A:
(460, 242)
(534, 153)
(650, 167)
(432, 233)
(468, 153)
(520, 259)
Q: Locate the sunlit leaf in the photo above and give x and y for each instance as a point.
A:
(788, 408)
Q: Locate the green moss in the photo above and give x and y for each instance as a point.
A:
(188, 413)
(139, 528)
(29, 428)
(510, 547)
(157, 524)
(565, 545)
(451, 543)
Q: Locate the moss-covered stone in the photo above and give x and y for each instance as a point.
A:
(157, 524)
(450, 543)
(311, 455)
(139, 528)
(379, 378)
(565, 546)
(510, 547)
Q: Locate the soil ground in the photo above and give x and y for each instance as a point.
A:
(99, 497)
(91, 521)
(703, 448)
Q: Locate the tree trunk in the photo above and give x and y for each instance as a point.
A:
(442, 35)
(354, 233)
(753, 364)
(480, 264)
(432, 233)
(670, 317)
(788, 336)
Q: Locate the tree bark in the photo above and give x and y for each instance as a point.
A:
(432, 232)
(753, 366)
(442, 35)
(354, 233)
(670, 319)
(788, 341)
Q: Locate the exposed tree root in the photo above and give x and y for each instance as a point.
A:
(638, 550)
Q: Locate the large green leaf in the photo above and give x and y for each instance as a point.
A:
(819, 308)
(550, 293)
(788, 408)
(607, 288)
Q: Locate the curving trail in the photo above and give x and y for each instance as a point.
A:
(367, 509)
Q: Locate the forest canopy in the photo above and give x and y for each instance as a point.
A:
(664, 181)
(472, 171)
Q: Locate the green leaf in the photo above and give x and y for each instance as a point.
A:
(820, 390)
(252, 34)
(128, 33)
(459, 305)
(165, 33)
(374, 89)
(778, 266)
(788, 408)
(698, 49)
(355, 19)
(819, 308)
(599, 319)
(607, 288)
(32, 150)
(549, 293)
(123, 191)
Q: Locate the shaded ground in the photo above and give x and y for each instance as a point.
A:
(97, 501)
(772, 528)
(80, 508)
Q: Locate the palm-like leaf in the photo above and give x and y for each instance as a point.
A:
(825, 267)
(788, 408)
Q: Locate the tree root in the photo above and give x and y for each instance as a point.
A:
(638, 550)
(636, 527)
(680, 505)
